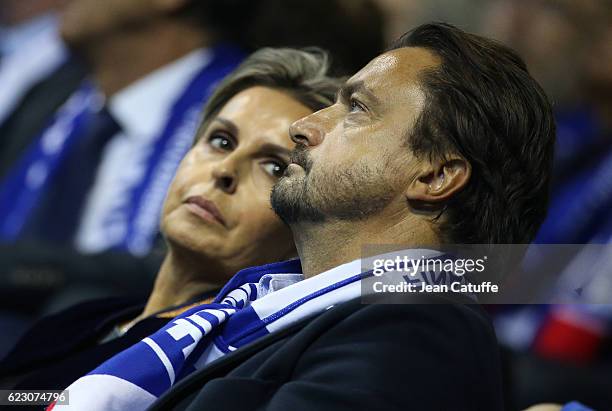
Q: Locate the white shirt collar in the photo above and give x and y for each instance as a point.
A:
(287, 284)
(14, 38)
(274, 282)
(142, 108)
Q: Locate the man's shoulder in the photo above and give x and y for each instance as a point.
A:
(357, 356)
(435, 313)
(447, 348)
(402, 337)
(406, 338)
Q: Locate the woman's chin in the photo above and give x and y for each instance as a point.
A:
(196, 248)
(199, 241)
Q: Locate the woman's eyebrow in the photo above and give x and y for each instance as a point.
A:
(271, 148)
(228, 124)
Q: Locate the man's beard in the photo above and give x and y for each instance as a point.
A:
(349, 194)
(290, 199)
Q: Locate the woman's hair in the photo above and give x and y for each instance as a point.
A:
(303, 74)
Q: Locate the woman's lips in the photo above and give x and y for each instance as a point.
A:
(205, 209)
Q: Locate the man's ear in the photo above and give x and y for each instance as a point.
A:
(438, 181)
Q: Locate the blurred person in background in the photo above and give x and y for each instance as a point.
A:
(216, 220)
(30, 48)
(152, 67)
(581, 210)
(565, 43)
(351, 30)
(399, 14)
(559, 353)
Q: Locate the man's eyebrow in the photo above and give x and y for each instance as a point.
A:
(358, 87)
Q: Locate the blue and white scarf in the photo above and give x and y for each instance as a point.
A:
(256, 302)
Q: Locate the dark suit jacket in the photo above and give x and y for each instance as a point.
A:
(37, 108)
(60, 348)
(357, 357)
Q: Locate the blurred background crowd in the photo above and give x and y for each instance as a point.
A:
(123, 80)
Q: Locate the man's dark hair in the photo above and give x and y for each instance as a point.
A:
(482, 104)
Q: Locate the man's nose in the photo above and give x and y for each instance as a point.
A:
(307, 131)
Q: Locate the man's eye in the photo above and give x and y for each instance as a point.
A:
(274, 168)
(355, 105)
(221, 142)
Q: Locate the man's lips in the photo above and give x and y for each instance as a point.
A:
(205, 209)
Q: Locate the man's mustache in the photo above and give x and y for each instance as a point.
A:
(300, 156)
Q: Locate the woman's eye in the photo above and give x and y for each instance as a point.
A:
(274, 168)
(355, 105)
(221, 142)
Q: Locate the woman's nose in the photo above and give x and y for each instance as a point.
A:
(225, 179)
